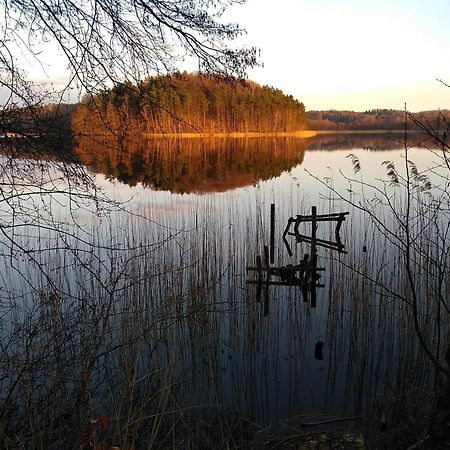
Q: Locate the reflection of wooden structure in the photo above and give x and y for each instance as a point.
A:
(314, 219)
(305, 275)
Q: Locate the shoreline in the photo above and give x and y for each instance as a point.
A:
(302, 134)
(299, 134)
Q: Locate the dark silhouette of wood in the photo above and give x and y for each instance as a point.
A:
(303, 275)
(313, 256)
(272, 233)
(337, 245)
(318, 351)
(306, 274)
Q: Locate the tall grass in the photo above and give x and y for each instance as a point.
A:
(148, 337)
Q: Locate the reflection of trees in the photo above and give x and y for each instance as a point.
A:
(191, 165)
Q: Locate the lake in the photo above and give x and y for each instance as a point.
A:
(141, 320)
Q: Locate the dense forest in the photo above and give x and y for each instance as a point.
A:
(376, 119)
(189, 103)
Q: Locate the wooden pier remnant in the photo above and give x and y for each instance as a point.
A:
(315, 219)
(305, 275)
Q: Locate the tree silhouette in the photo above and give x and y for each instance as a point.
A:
(104, 43)
(108, 41)
(55, 326)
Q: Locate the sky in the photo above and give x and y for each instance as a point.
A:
(342, 54)
(352, 54)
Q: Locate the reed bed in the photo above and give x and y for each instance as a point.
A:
(146, 335)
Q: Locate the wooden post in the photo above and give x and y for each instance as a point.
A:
(286, 231)
(267, 283)
(313, 257)
(272, 233)
(313, 230)
(266, 257)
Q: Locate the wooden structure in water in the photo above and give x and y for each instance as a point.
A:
(315, 219)
(305, 274)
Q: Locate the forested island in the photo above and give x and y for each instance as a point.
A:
(189, 103)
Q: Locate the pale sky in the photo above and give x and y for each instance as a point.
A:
(350, 54)
(343, 54)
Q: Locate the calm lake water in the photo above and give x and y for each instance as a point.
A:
(154, 304)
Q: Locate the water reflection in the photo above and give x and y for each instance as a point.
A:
(366, 141)
(191, 165)
(156, 329)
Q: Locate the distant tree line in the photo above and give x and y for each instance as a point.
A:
(189, 103)
(376, 119)
(49, 119)
(186, 103)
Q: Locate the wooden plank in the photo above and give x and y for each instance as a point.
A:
(322, 243)
(286, 231)
(273, 283)
(322, 217)
(285, 268)
(288, 247)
